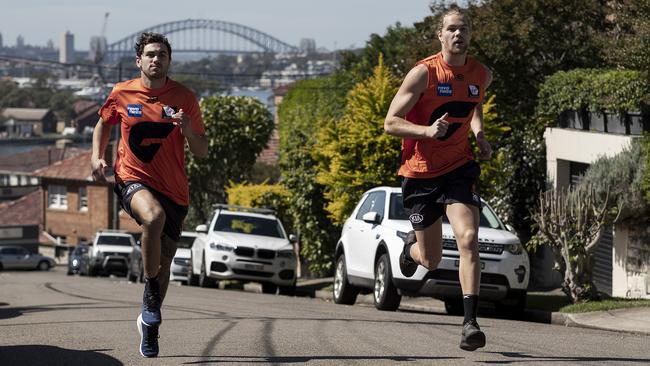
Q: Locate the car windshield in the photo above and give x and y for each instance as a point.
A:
(397, 212)
(248, 225)
(113, 240)
(186, 241)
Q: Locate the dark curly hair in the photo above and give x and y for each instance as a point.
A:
(150, 37)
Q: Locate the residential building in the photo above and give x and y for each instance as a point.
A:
(27, 122)
(66, 48)
(622, 259)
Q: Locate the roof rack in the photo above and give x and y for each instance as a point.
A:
(223, 206)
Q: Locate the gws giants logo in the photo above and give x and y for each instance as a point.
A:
(416, 218)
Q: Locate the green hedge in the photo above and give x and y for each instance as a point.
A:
(593, 89)
(274, 196)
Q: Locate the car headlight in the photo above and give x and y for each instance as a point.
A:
(285, 254)
(224, 247)
(514, 248)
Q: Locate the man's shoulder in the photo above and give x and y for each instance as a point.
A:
(126, 85)
(179, 88)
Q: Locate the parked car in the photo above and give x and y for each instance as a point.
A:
(367, 259)
(135, 265)
(244, 244)
(15, 257)
(181, 263)
(78, 260)
(109, 252)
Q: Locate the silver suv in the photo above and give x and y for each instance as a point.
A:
(109, 252)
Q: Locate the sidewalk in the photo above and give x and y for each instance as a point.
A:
(632, 320)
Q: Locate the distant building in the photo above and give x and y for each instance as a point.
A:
(1, 45)
(20, 41)
(308, 45)
(85, 116)
(21, 222)
(50, 44)
(75, 206)
(66, 48)
(27, 122)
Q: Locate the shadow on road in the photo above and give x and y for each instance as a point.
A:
(29, 355)
(520, 357)
(303, 359)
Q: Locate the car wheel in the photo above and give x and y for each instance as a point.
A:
(454, 307)
(385, 293)
(204, 280)
(192, 279)
(288, 290)
(1, 267)
(344, 293)
(92, 271)
(130, 276)
(43, 266)
(269, 288)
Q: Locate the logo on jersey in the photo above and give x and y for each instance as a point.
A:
(416, 218)
(473, 91)
(168, 111)
(146, 138)
(134, 110)
(444, 90)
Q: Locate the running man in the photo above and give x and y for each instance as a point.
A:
(437, 105)
(156, 116)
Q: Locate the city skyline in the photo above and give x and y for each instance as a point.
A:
(335, 25)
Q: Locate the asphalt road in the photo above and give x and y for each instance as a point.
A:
(48, 318)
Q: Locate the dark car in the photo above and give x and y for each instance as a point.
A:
(134, 271)
(78, 260)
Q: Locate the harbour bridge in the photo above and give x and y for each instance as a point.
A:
(205, 36)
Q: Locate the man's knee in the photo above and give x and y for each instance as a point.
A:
(466, 239)
(154, 217)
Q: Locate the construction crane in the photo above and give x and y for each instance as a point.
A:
(99, 46)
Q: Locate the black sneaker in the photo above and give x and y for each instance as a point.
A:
(472, 336)
(148, 338)
(151, 303)
(406, 264)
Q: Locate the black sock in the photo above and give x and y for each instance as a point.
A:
(152, 284)
(470, 306)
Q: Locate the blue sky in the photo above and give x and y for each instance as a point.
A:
(332, 23)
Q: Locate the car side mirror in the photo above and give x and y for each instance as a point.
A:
(202, 228)
(371, 217)
(510, 228)
(293, 238)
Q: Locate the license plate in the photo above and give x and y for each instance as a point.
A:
(457, 264)
(255, 267)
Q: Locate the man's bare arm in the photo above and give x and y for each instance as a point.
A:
(407, 96)
(101, 135)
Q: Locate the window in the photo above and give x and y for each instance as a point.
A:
(83, 199)
(374, 203)
(57, 197)
(248, 225)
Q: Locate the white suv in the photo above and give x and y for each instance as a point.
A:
(110, 252)
(367, 259)
(244, 244)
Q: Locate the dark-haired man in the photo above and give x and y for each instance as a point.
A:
(439, 102)
(156, 117)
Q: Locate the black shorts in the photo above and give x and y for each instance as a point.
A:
(425, 198)
(174, 213)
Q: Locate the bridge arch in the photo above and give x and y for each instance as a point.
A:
(199, 36)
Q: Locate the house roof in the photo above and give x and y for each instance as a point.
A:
(27, 210)
(85, 108)
(27, 114)
(74, 168)
(27, 162)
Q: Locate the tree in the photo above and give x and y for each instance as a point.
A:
(354, 152)
(304, 109)
(238, 129)
(573, 221)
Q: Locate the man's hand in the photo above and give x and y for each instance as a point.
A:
(485, 150)
(438, 128)
(98, 168)
(183, 120)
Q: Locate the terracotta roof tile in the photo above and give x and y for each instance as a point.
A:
(74, 168)
(27, 210)
(27, 162)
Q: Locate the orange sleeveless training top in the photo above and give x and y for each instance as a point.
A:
(451, 89)
(152, 148)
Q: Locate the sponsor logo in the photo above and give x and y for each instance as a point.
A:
(444, 90)
(168, 111)
(473, 90)
(134, 110)
(416, 218)
(132, 187)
